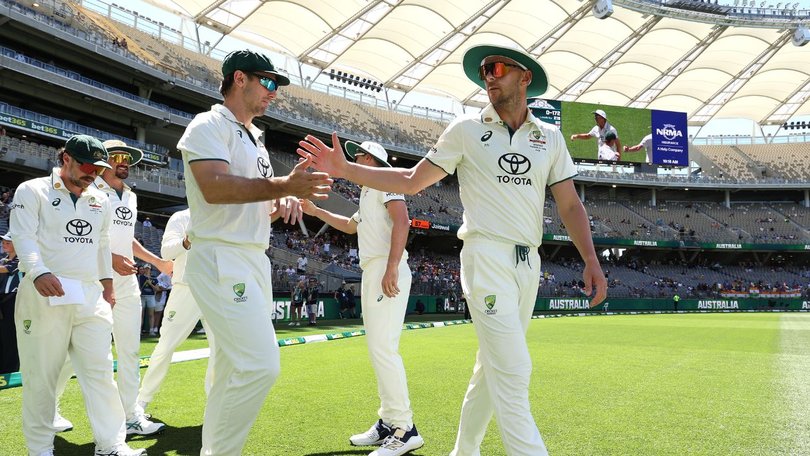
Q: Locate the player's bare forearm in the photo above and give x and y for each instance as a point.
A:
(218, 186)
(337, 221)
(393, 180)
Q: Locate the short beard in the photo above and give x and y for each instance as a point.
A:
(122, 173)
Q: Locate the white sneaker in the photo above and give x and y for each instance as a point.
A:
(142, 426)
(201, 331)
(121, 449)
(292, 323)
(376, 434)
(47, 453)
(61, 424)
(399, 443)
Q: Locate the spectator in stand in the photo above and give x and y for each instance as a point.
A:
(341, 298)
(10, 277)
(302, 265)
(297, 300)
(352, 301)
(311, 295)
(149, 289)
(147, 223)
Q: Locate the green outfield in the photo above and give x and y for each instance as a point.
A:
(632, 125)
(676, 384)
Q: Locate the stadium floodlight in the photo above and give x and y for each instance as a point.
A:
(801, 36)
(602, 9)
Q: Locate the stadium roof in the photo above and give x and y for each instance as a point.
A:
(717, 68)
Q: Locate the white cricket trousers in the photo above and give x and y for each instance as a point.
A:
(46, 335)
(500, 284)
(179, 319)
(232, 287)
(126, 330)
(383, 318)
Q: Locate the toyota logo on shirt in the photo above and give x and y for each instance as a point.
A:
(124, 214)
(79, 229)
(263, 166)
(514, 165)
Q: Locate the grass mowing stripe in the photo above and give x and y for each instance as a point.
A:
(793, 382)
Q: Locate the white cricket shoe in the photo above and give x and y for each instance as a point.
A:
(121, 449)
(399, 443)
(376, 434)
(47, 453)
(141, 425)
(60, 423)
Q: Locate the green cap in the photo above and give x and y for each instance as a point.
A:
(474, 58)
(251, 62)
(87, 149)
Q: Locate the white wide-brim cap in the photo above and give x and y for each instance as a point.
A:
(600, 113)
(369, 147)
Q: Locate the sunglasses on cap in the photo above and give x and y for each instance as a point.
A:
(358, 154)
(118, 158)
(89, 168)
(497, 69)
(267, 83)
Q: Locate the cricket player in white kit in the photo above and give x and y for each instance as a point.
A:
(381, 224)
(230, 192)
(181, 314)
(600, 132)
(127, 311)
(61, 227)
(505, 158)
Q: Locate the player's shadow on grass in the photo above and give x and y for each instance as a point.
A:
(63, 447)
(182, 441)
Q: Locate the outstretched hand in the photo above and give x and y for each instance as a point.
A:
(324, 158)
(303, 184)
(308, 206)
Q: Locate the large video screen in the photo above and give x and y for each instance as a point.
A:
(616, 134)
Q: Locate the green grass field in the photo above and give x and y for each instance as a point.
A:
(631, 124)
(685, 384)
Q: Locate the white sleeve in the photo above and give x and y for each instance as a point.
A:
(172, 245)
(23, 226)
(449, 149)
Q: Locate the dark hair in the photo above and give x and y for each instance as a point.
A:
(60, 156)
(610, 136)
(227, 83)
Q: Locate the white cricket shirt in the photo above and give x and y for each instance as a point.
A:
(52, 234)
(599, 133)
(217, 135)
(502, 181)
(374, 225)
(172, 246)
(122, 233)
